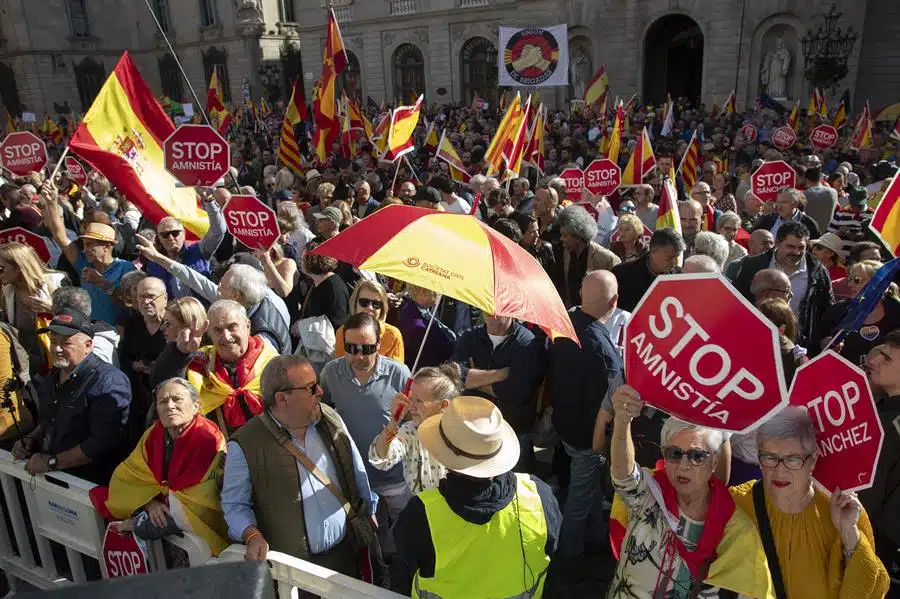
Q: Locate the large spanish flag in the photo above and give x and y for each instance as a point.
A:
(404, 121)
(640, 163)
(122, 136)
(597, 91)
(886, 222)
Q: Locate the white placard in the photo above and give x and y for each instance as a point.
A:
(188, 110)
(534, 56)
(28, 117)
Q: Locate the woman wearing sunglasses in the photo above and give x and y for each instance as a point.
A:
(824, 548)
(371, 297)
(676, 530)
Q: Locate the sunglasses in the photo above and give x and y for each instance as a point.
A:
(697, 457)
(626, 209)
(171, 234)
(366, 349)
(370, 303)
(311, 388)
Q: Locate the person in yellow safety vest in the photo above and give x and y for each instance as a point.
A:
(485, 531)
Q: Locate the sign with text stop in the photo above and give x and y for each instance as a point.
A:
(123, 555)
(196, 155)
(784, 137)
(696, 349)
(251, 222)
(771, 178)
(75, 171)
(574, 178)
(749, 133)
(29, 238)
(823, 137)
(23, 152)
(601, 177)
(848, 431)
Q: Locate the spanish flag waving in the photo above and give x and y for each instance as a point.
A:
(400, 140)
(447, 153)
(640, 163)
(122, 136)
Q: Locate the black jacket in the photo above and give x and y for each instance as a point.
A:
(768, 221)
(819, 296)
(882, 501)
(472, 499)
(634, 280)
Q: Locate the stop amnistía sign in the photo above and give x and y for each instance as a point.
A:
(848, 431)
(771, 178)
(601, 177)
(251, 222)
(22, 235)
(574, 178)
(23, 152)
(196, 155)
(75, 171)
(823, 137)
(696, 349)
(784, 137)
(749, 133)
(122, 554)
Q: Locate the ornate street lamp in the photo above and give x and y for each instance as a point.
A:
(826, 51)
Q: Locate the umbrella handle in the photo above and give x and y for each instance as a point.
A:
(424, 337)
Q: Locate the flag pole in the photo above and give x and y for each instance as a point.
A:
(59, 163)
(396, 172)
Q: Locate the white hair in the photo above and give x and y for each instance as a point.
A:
(728, 217)
(478, 180)
(225, 306)
(673, 426)
(713, 245)
(793, 422)
(248, 283)
(699, 263)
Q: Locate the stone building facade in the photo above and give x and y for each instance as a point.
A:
(55, 54)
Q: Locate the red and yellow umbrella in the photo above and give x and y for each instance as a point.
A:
(457, 256)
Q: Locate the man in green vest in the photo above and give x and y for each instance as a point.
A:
(485, 531)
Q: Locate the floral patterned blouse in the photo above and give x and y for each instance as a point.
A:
(420, 471)
(643, 550)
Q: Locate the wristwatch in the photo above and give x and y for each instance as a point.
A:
(52, 462)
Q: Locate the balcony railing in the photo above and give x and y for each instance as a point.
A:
(404, 7)
(473, 3)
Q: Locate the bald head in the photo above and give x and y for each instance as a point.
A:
(691, 213)
(599, 294)
(770, 283)
(760, 241)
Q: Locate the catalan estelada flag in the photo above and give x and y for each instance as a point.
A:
(447, 153)
(122, 137)
(690, 163)
(615, 140)
(219, 116)
(731, 103)
(404, 121)
(640, 163)
(288, 148)
(840, 113)
(597, 91)
(886, 221)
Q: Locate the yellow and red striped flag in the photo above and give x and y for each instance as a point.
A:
(404, 121)
(348, 145)
(817, 105)
(294, 114)
(493, 157)
(886, 221)
(667, 217)
(379, 135)
(514, 150)
(431, 139)
(597, 91)
(54, 132)
(641, 162)
(534, 151)
(862, 133)
(690, 163)
(731, 103)
(615, 140)
(334, 60)
(447, 153)
(219, 115)
(122, 136)
(264, 108)
(840, 114)
(794, 119)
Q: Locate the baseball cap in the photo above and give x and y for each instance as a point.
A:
(284, 195)
(68, 322)
(332, 213)
(428, 194)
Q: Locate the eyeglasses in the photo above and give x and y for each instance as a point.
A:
(791, 462)
(366, 349)
(311, 388)
(370, 303)
(171, 234)
(697, 457)
(151, 297)
(788, 293)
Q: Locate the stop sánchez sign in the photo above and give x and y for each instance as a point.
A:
(698, 350)
(251, 222)
(772, 177)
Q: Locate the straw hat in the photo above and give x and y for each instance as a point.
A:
(830, 241)
(99, 232)
(471, 438)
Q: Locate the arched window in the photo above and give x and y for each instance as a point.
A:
(89, 77)
(350, 78)
(9, 91)
(218, 60)
(409, 74)
(170, 77)
(479, 70)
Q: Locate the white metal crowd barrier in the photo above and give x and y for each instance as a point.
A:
(37, 511)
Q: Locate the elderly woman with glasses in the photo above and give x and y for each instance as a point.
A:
(676, 530)
(823, 547)
(170, 482)
(369, 296)
(628, 242)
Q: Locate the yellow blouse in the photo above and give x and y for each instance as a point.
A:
(391, 342)
(812, 556)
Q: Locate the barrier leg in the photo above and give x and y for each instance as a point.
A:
(11, 495)
(76, 566)
(48, 562)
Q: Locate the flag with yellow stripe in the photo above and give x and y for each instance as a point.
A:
(288, 148)
(886, 221)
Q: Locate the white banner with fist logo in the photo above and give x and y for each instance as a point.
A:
(537, 56)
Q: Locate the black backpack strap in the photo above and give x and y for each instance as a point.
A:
(768, 540)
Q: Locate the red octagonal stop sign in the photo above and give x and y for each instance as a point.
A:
(848, 431)
(75, 171)
(696, 349)
(602, 177)
(22, 235)
(574, 178)
(251, 222)
(784, 137)
(823, 137)
(23, 152)
(196, 155)
(772, 177)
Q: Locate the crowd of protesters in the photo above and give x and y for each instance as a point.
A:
(206, 386)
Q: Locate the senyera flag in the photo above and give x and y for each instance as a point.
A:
(122, 137)
(455, 255)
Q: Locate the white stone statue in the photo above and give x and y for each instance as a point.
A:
(580, 73)
(775, 69)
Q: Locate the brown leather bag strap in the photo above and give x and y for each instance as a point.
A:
(284, 440)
